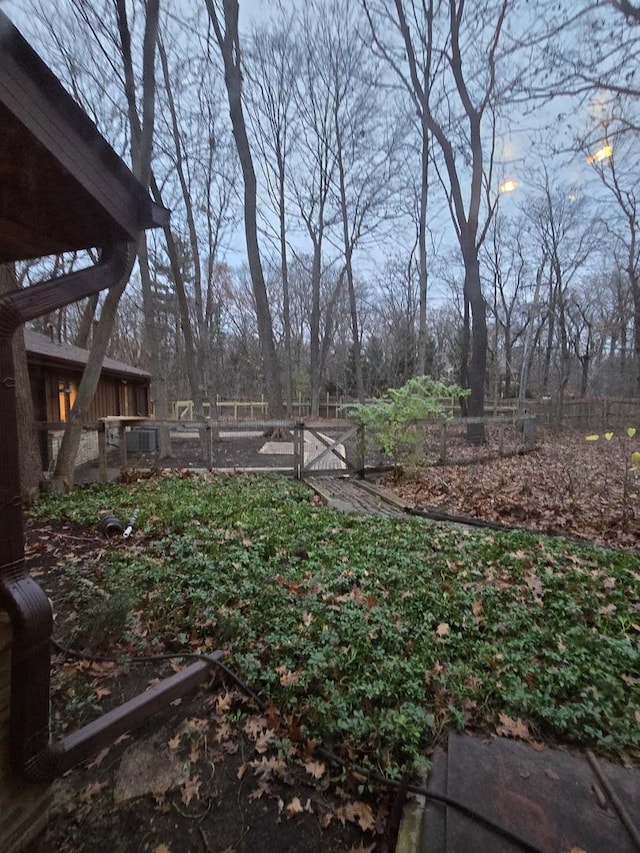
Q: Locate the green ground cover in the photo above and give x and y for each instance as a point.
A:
(375, 635)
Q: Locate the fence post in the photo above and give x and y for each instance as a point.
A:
(102, 451)
(209, 445)
(420, 428)
(122, 438)
(443, 442)
(298, 450)
(529, 429)
(360, 450)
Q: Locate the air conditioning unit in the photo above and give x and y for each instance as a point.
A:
(142, 440)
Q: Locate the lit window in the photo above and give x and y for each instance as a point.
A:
(67, 392)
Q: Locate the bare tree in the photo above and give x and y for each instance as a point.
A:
(628, 9)
(612, 151)
(364, 149)
(505, 258)
(568, 238)
(272, 75)
(463, 47)
(229, 45)
(142, 165)
(422, 74)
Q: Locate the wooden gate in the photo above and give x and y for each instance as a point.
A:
(318, 454)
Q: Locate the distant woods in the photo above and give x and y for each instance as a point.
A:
(366, 192)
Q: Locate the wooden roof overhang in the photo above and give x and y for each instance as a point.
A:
(42, 351)
(62, 188)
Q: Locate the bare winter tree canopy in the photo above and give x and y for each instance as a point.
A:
(362, 193)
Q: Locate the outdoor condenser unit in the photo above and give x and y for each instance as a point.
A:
(142, 440)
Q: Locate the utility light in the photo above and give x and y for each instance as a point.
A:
(509, 186)
(603, 153)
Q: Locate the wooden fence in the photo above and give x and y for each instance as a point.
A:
(328, 450)
(585, 414)
(439, 441)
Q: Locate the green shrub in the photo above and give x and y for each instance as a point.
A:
(391, 421)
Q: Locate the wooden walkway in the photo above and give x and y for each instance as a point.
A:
(357, 496)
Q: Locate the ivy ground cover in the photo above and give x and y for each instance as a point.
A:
(371, 635)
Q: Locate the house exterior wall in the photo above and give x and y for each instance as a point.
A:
(87, 450)
(53, 388)
(25, 806)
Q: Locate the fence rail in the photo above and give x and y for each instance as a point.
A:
(585, 413)
(439, 440)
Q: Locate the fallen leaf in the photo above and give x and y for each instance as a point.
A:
(512, 728)
(260, 791)
(162, 848)
(326, 818)
(287, 677)
(293, 808)
(87, 794)
(100, 757)
(357, 812)
(223, 702)
(197, 725)
(190, 790)
(315, 768)
(268, 768)
(264, 740)
(224, 732)
(255, 726)
(443, 629)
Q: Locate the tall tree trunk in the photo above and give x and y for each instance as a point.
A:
(65, 463)
(28, 449)
(284, 271)
(314, 320)
(478, 360)
(229, 44)
(421, 364)
(547, 354)
(183, 307)
(152, 347)
(86, 324)
(205, 374)
(465, 346)
(635, 291)
(141, 151)
(348, 252)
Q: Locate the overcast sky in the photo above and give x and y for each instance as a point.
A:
(520, 151)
